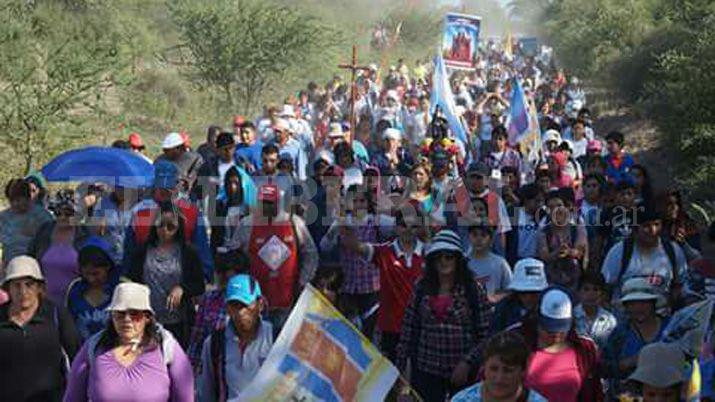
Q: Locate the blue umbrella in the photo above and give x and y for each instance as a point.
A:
(113, 166)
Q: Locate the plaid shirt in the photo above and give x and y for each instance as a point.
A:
(211, 313)
(361, 275)
(437, 347)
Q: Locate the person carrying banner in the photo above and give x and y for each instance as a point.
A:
(234, 352)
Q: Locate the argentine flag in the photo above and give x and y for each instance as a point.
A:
(442, 96)
(518, 114)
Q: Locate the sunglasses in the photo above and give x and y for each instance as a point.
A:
(168, 225)
(446, 256)
(134, 315)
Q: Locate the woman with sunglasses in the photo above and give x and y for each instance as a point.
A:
(56, 246)
(445, 322)
(171, 268)
(133, 358)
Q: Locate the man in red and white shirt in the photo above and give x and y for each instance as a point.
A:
(400, 264)
(282, 253)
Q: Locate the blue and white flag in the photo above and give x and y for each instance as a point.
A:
(518, 115)
(442, 96)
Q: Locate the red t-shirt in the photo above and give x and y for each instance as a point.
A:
(555, 375)
(397, 282)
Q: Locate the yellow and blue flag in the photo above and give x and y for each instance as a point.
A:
(321, 356)
(691, 329)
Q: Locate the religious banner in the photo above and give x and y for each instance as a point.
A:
(529, 46)
(320, 356)
(461, 37)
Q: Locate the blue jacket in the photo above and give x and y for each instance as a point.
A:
(622, 173)
(624, 342)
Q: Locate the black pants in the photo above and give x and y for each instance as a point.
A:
(430, 387)
(388, 344)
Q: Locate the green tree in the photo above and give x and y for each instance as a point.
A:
(243, 48)
(50, 72)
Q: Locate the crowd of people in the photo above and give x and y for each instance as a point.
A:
(481, 272)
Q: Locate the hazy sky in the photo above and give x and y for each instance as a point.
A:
(458, 2)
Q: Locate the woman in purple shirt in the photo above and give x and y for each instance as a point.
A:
(133, 359)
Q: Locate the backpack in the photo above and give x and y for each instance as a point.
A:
(168, 344)
(629, 246)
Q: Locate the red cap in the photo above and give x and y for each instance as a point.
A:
(268, 192)
(594, 146)
(135, 140)
(238, 120)
(186, 138)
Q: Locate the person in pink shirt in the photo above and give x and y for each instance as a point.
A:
(563, 366)
(133, 359)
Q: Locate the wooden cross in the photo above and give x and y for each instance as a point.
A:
(354, 68)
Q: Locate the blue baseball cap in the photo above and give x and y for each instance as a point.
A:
(165, 175)
(242, 288)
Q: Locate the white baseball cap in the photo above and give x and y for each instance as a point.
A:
(282, 124)
(555, 311)
(529, 276)
(172, 140)
(391, 134)
(336, 131)
(352, 175)
(552, 135)
(288, 111)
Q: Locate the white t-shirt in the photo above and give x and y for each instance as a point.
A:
(654, 265)
(222, 169)
(492, 272)
(579, 148)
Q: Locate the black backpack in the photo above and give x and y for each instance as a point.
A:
(629, 246)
